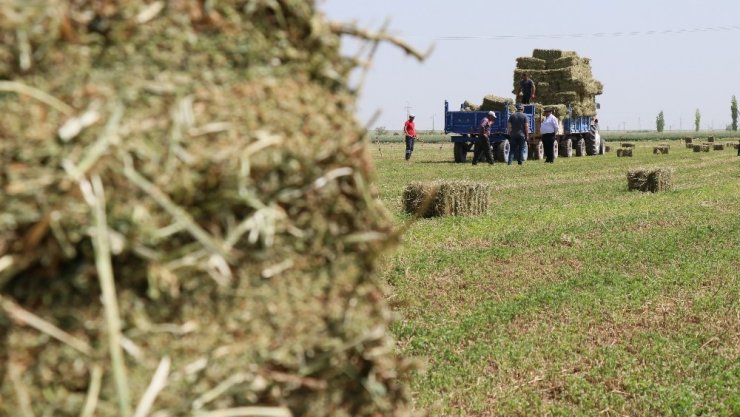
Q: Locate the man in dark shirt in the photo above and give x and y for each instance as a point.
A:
(483, 145)
(526, 89)
(519, 132)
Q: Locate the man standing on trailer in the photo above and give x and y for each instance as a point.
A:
(483, 146)
(526, 89)
(549, 128)
(409, 129)
(519, 133)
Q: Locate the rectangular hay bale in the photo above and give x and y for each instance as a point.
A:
(446, 198)
(650, 179)
(624, 152)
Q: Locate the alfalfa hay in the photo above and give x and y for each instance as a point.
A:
(243, 248)
(446, 198)
(650, 179)
(718, 146)
(624, 152)
(661, 150)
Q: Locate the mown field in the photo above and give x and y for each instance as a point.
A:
(572, 296)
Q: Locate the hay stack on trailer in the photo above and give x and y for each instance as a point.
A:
(562, 78)
(243, 249)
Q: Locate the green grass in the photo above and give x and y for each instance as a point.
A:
(572, 296)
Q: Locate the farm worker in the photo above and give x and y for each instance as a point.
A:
(519, 133)
(549, 128)
(527, 89)
(409, 129)
(483, 146)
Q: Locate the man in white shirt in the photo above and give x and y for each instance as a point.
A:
(549, 128)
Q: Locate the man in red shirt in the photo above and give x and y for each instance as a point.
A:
(409, 129)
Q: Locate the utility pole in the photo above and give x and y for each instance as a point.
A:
(408, 109)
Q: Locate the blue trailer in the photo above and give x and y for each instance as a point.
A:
(465, 125)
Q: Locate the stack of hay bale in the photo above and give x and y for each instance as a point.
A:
(650, 180)
(446, 198)
(562, 78)
(243, 249)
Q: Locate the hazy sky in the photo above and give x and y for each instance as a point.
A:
(651, 55)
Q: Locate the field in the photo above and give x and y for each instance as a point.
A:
(439, 137)
(571, 296)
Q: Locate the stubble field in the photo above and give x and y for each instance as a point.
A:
(571, 296)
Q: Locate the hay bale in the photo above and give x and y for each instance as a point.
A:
(689, 146)
(628, 145)
(710, 139)
(650, 179)
(496, 103)
(624, 152)
(660, 150)
(552, 54)
(608, 148)
(688, 140)
(243, 249)
(470, 106)
(446, 198)
(719, 146)
(530, 63)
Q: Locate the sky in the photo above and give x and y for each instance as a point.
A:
(673, 56)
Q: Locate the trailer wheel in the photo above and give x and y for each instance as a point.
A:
(536, 152)
(566, 148)
(502, 151)
(580, 147)
(460, 152)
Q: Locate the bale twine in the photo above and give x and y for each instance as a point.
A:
(660, 150)
(243, 249)
(446, 198)
(650, 179)
(624, 152)
(719, 146)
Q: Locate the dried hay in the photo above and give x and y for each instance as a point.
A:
(608, 148)
(496, 103)
(628, 145)
(710, 139)
(661, 150)
(689, 146)
(688, 140)
(552, 54)
(650, 179)
(719, 146)
(470, 106)
(446, 198)
(242, 249)
(530, 63)
(624, 152)
(701, 147)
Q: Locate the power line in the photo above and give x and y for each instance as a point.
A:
(592, 35)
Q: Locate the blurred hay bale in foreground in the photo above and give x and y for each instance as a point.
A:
(163, 135)
(446, 198)
(650, 179)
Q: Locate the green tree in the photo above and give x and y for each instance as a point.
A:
(733, 111)
(660, 121)
(697, 120)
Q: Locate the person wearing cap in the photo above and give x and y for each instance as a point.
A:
(409, 129)
(527, 90)
(549, 128)
(483, 145)
(519, 133)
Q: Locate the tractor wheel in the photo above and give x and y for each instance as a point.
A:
(566, 148)
(461, 152)
(591, 146)
(502, 151)
(580, 147)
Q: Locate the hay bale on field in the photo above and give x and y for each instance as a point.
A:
(243, 249)
(660, 150)
(688, 140)
(701, 147)
(719, 146)
(608, 148)
(446, 198)
(624, 152)
(736, 146)
(710, 139)
(689, 146)
(650, 179)
(628, 145)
